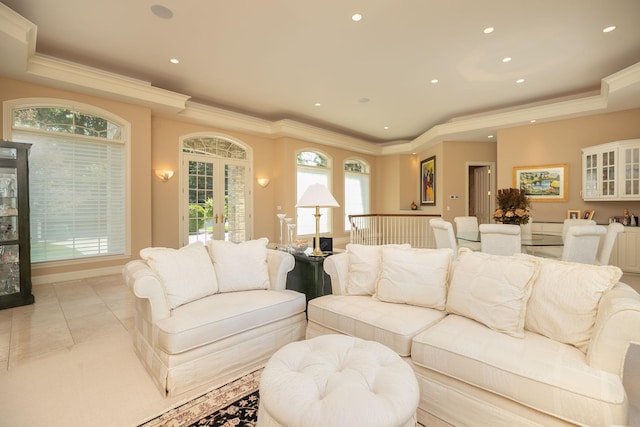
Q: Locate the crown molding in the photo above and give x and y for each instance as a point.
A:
(18, 28)
(105, 83)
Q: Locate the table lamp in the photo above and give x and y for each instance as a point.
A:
(318, 196)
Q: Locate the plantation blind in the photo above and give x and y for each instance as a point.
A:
(77, 196)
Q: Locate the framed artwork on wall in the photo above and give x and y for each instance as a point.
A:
(588, 214)
(549, 183)
(428, 181)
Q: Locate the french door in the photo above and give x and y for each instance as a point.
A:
(215, 199)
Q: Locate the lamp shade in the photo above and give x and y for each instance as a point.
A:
(317, 195)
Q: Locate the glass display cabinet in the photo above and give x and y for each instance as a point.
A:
(15, 246)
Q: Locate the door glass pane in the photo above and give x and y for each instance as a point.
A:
(201, 197)
(236, 204)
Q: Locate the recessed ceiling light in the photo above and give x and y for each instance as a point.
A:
(520, 81)
(434, 80)
(533, 121)
(385, 128)
(317, 104)
(161, 11)
(174, 61)
(506, 59)
(488, 30)
(490, 136)
(609, 29)
(356, 17)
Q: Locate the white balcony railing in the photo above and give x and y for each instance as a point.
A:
(382, 229)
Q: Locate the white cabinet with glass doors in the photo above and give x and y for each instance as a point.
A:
(611, 171)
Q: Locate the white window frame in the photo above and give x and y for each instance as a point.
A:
(8, 129)
(365, 202)
(183, 205)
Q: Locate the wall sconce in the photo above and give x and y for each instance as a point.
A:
(164, 175)
(263, 182)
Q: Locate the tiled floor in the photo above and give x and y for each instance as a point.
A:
(72, 322)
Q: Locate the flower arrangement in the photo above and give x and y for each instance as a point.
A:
(513, 207)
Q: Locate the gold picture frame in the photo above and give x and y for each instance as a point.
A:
(588, 214)
(573, 214)
(547, 183)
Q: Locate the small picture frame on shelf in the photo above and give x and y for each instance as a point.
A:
(588, 214)
(573, 214)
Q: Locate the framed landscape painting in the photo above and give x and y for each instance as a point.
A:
(542, 183)
(428, 181)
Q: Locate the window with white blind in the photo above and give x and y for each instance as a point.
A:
(312, 168)
(356, 189)
(77, 172)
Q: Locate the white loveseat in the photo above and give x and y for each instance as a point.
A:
(493, 340)
(209, 315)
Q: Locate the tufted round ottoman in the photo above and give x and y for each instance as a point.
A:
(337, 380)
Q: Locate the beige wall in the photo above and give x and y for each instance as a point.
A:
(559, 142)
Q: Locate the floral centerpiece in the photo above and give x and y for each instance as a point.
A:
(513, 207)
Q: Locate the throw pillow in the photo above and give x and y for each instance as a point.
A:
(240, 266)
(415, 276)
(365, 262)
(186, 274)
(565, 298)
(492, 290)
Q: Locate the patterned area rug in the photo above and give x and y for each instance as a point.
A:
(235, 404)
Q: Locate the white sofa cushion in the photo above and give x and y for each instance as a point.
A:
(492, 289)
(535, 371)
(222, 315)
(240, 266)
(565, 297)
(393, 325)
(365, 263)
(414, 276)
(186, 274)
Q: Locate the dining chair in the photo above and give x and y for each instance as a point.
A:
(581, 243)
(443, 233)
(607, 243)
(572, 222)
(500, 239)
(467, 224)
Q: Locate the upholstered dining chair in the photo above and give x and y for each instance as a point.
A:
(467, 224)
(500, 239)
(607, 242)
(581, 243)
(443, 233)
(572, 222)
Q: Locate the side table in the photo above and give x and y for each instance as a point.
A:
(308, 276)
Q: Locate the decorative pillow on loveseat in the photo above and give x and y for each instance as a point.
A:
(186, 274)
(565, 298)
(240, 266)
(414, 276)
(492, 289)
(365, 262)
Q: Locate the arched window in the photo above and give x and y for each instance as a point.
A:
(217, 199)
(77, 175)
(312, 167)
(357, 185)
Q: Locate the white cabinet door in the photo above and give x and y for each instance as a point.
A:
(627, 253)
(611, 171)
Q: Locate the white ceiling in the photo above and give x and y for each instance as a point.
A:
(274, 59)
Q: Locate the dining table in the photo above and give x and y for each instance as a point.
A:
(529, 240)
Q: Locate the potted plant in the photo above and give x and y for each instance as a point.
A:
(513, 207)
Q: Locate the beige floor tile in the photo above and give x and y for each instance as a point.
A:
(95, 325)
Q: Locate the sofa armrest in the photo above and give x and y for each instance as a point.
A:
(337, 267)
(279, 264)
(617, 326)
(144, 283)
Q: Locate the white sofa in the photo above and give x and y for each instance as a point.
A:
(205, 316)
(493, 340)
